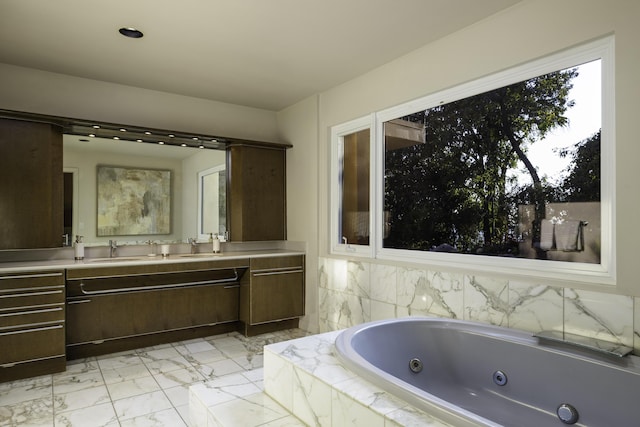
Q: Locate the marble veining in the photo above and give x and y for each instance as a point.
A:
(146, 387)
(396, 291)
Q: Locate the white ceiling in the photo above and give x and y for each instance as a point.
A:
(266, 54)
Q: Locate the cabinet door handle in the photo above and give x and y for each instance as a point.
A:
(30, 276)
(232, 287)
(22, 292)
(82, 301)
(28, 331)
(273, 273)
(158, 287)
(25, 313)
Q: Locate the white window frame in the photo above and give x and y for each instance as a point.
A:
(603, 273)
(337, 152)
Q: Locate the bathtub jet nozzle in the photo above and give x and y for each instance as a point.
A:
(415, 365)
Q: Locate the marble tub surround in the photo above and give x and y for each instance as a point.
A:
(306, 378)
(144, 387)
(354, 292)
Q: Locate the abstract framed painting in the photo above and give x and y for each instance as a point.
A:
(133, 201)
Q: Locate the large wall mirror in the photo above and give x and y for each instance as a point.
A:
(185, 158)
(195, 204)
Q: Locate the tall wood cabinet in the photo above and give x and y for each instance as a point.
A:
(257, 192)
(31, 185)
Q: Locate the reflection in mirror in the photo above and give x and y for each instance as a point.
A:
(212, 202)
(83, 154)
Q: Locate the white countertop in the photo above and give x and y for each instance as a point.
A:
(58, 264)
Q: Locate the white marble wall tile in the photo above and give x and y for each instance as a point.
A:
(198, 410)
(603, 316)
(344, 310)
(447, 294)
(337, 274)
(358, 278)
(345, 411)
(486, 300)
(383, 310)
(368, 395)
(402, 311)
(311, 399)
(384, 283)
(535, 307)
(410, 287)
(288, 421)
(323, 273)
(278, 379)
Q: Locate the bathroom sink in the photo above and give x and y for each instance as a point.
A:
(208, 254)
(120, 259)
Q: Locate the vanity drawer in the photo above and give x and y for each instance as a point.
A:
(30, 298)
(44, 315)
(26, 345)
(16, 281)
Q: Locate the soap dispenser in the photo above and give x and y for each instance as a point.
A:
(79, 248)
(215, 244)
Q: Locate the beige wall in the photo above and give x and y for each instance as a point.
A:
(24, 89)
(299, 126)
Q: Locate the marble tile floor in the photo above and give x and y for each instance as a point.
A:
(144, 387)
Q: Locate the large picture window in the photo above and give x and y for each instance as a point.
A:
(513, 171)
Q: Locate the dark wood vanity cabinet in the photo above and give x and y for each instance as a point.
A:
(115, 308)
(32, 324)
(275, 292)
(32, 185)
(257, 193)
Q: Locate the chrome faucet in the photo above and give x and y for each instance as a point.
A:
(113, 247)
(194, 245)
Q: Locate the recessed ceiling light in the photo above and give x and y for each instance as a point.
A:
(131, 32)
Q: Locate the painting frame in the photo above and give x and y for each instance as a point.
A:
(133, 201)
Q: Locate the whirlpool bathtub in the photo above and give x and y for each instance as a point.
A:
(471, 374)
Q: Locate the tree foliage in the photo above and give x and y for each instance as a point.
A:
(452, 190)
